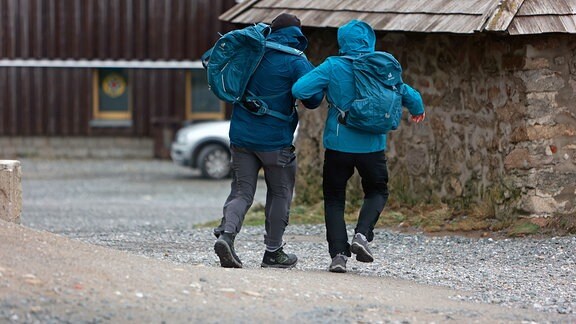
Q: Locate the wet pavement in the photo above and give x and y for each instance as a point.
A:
(101, 195)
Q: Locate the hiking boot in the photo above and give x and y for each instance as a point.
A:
(338, 263)
(278, 259)
(359, 247)
(217, 231)
(224, 248)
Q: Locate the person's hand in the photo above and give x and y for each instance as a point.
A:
(418, 118)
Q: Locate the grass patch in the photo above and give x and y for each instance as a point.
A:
(254, 217)
(437, 217)
(523, 228)
(391, 219)
(299, 215)
(562, 224)
(207, 224)
(429, 218)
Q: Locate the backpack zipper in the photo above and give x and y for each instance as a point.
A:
(222, 76)
(392, 113)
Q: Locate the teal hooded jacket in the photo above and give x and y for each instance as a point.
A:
(272, 82)
(335, 77)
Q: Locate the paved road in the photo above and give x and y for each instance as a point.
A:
(100, 195)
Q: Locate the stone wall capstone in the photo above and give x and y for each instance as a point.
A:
(10, 191)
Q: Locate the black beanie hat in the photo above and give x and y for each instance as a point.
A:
(285, 20)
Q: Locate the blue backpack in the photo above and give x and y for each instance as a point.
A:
(378, 105)
(231, 62)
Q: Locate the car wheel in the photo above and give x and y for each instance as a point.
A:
(214, 162)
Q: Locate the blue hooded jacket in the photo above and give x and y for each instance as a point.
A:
(336, 78)
(274, 78)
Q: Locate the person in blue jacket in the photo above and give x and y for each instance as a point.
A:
(349, 148)
(264, 141)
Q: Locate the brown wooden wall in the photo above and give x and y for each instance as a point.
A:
(44, 101)
(109, 29)
(59, 101)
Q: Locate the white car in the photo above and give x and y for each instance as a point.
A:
(204, 146)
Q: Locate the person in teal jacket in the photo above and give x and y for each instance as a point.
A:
(265, 142)
(349, 148)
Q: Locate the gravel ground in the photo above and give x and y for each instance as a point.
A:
(520, 273)
(149, 208)
(47, 278)
(117, 195)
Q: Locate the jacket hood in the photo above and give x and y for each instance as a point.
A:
(290, 36)
(356, 37)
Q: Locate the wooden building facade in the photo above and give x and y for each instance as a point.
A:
(105, 68)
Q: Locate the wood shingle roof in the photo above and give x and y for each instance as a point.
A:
(516, 17)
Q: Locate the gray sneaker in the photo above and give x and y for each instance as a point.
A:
(338, 263)
(359, 247)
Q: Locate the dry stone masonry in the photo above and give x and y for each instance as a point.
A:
(501, 120)
(502, 124)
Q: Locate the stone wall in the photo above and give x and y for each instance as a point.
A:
(500, 128)
(543, 159)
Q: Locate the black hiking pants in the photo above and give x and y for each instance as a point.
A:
(338, 168)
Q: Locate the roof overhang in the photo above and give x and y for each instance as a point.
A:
(515, 17)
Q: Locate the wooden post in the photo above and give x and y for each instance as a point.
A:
(10, 191)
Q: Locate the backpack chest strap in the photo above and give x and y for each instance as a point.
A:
(257, 106)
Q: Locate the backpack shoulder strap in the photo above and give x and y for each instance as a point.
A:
(341, 111)
(284, 48)
(260, 103)
(205, 58)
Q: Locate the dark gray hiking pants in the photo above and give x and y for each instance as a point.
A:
(279, 174)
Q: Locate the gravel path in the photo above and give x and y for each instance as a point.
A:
(538, 274)
(47, 278)
(149, 208)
